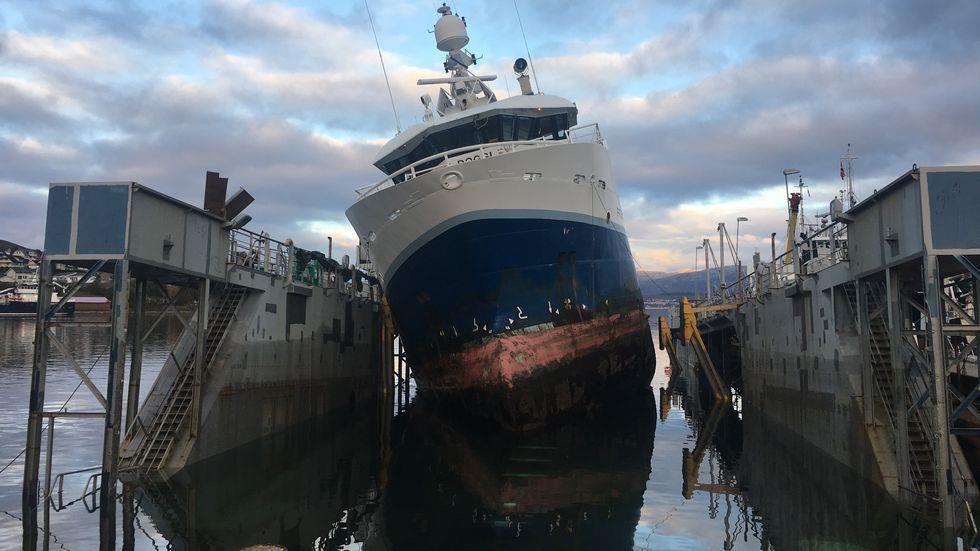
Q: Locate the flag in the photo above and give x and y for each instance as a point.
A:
(842, 170)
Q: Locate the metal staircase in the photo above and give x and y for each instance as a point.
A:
(921, 456)
(166, 424)
(850, 295)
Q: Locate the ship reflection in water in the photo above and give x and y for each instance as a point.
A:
(302, 489)
(577, 485)
(718, 479)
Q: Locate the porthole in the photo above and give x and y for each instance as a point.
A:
(452, 180)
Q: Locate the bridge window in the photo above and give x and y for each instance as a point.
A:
(498, 128)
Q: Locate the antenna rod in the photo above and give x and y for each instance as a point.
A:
(391, 96)
(526, 48)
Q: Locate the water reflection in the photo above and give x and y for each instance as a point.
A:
(306, 487)
(78, 444)
(809, 501)
(718, 478)
(785, 492)
(578, 485)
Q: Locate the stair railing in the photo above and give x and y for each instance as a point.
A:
(167, 407)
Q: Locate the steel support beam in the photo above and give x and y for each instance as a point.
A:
(933, 288)
(707, 272)
(53, 339)
(74, 289)
(32, 459)
(867, 381)
(136, 361)
(970, 266)
(202, 331)
(129, 517)
(966, 402)
(169, 308)
(893, 292)
(959, 310)
(721, 270)
(47, 485)
(113, 420)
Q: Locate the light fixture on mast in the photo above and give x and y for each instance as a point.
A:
(520, 68)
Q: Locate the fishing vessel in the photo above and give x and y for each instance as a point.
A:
(21, 300)
(498, 235)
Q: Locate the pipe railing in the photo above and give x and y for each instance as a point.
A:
(780, 272)
(259, 252)
(588, 133)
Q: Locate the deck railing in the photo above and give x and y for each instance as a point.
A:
(588, 133)
(259, 252)
(808, 256)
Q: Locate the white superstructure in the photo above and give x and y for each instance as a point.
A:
(476, 156)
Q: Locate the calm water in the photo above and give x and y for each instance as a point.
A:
(651, 474)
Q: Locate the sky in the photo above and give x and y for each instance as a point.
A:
(703, 103)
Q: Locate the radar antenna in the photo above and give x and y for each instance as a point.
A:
(466, 89)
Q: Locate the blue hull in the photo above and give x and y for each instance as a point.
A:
(489, 276)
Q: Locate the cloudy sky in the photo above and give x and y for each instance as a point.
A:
(703, 102)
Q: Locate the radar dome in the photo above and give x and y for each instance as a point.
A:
(450, 32)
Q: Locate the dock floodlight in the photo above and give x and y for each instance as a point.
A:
(742, 219)
(238, 223)
(789, 171)
(520, 65)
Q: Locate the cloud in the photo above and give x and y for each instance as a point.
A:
(26, 105)
(737, 129)
(93, 54)
(702, 103)
(21, 209)
(602, 72)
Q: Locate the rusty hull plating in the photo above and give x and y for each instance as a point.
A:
(525, 380)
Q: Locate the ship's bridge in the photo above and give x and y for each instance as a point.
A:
(518, 118)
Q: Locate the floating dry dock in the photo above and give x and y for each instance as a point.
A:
(864, 336)
(280, 335)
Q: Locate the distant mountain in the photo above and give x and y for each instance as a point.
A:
(654, 275)
(670, 285)
(10, 246)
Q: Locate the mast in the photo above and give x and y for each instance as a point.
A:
(847, 171)
(794, 211)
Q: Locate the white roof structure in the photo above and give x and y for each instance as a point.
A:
(417, 132)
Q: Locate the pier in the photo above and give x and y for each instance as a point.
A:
(250, 361)
(864, 334)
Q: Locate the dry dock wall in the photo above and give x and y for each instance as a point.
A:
(801, 369)
(863, 338)
(274, 373)
(292, 352)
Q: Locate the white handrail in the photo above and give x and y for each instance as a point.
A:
(412, 171)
